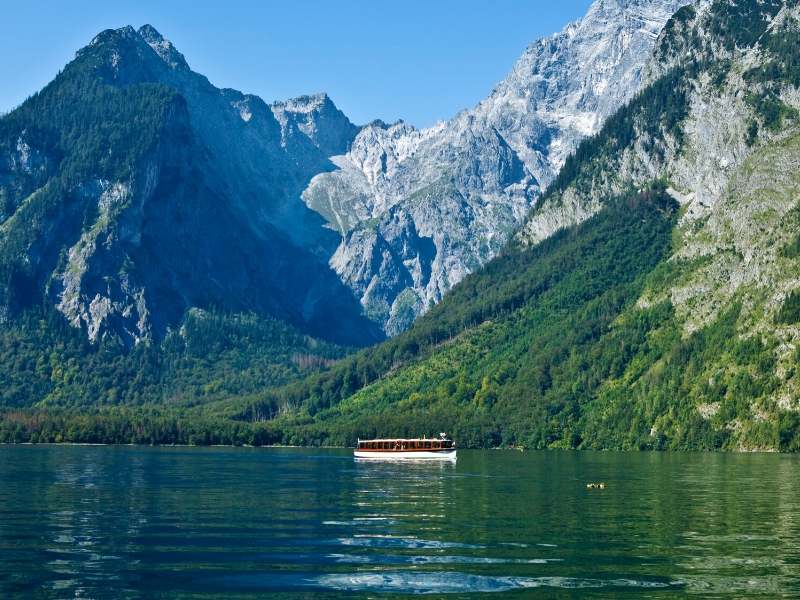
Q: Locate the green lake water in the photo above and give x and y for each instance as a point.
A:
(136, 522)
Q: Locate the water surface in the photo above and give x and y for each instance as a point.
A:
(136, 522)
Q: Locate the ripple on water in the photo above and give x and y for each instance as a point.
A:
(415, 582)
(384, 559)
(391, 541)
(362, 522)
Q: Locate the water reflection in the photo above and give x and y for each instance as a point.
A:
(147, 522)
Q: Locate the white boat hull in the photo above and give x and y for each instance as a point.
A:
(413, 455)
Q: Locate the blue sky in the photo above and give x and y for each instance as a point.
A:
(416, 60)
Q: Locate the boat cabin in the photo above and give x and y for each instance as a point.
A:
(405, 445)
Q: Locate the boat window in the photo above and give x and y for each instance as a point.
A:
(427, 444)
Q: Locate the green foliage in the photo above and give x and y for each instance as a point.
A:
(653, 113)
(792, 249)
(789, 432)
(740, 24)
(782, 68)
(789, 312)
(44, 362)
(772, 111)
(125, 425)
(511, 354)
(656, 402)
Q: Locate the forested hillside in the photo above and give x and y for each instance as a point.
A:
(701, 348)
(512, 355)
(48, 364)
(650, 301)
(132, 190)
(509, 346)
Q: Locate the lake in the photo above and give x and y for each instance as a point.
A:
(140, 522)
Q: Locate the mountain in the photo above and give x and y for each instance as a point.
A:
(132, 190)
(652, 298)
(420, 209)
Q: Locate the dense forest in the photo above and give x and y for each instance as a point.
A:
(44, 362)
(471, 364)
(64, 388)
(558, 356)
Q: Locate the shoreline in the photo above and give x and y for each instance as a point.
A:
(500, 448)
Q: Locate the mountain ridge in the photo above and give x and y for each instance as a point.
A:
(694, 349)
(201, 209)
(438, 203)
(486, 166)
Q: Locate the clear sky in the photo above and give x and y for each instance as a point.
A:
(419, 60)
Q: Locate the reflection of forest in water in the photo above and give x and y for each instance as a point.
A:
(179, 521)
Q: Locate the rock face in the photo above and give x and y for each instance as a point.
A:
(420, 209)
(731, 159)
(131, 189)
(317, 118)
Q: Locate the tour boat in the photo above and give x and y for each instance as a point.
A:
(440, 448)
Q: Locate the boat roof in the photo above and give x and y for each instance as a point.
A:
(427, 439)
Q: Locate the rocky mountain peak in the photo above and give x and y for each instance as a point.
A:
(564, 86)
(461, 186)
(128, 56)
(307, 103)
(109, 35)
(180, 195)
(163, 47)
(317, 117)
